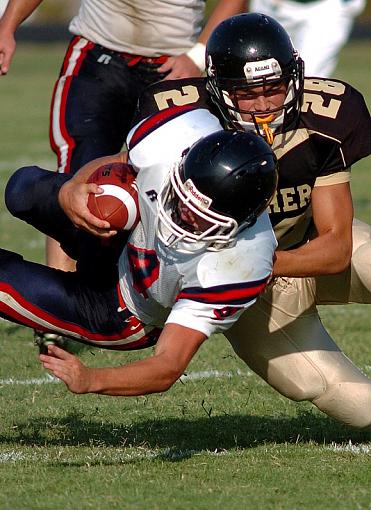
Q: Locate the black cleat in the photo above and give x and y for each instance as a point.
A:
(43, 339)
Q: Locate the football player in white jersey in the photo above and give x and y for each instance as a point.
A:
(200, 255)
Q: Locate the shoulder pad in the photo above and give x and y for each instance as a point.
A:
(171, 94)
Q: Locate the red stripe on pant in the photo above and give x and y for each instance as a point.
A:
(19, 310)
(64, 146)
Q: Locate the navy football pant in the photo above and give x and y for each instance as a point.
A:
(94, 101)
(83, 305)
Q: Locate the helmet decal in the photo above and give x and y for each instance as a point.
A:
(202, 201)
(269, 68)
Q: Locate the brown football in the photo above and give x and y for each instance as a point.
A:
(118, 204)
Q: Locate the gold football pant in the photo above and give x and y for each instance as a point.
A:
(283, 340)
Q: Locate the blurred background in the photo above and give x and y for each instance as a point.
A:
(50, 21)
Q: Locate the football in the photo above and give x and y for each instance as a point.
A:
(118, 204)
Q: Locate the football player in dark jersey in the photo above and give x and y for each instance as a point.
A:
(317, 128)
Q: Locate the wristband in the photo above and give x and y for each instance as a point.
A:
(197, 55)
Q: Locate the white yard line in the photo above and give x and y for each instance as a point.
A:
(10, 381)
(111, 454)
(351, 448)
(217, 374)
(189, 376)
(127, 455)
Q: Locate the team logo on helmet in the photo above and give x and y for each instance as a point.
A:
(202, 201)
(269, 69)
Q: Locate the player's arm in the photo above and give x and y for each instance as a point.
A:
(15, 12)
(174, 350)
(192, 63)
(73, 197)
(330, 252)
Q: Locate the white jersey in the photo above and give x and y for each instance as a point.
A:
(206, 290)
(142, 27)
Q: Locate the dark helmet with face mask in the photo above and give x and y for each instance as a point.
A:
(250, 51)
(226, 180)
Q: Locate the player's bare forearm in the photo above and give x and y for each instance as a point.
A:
(151, 375)
(139, 378)
(192, 63)
(175, 348)
(330, 252)
(223, 10)
(326, 254)
(16, 12)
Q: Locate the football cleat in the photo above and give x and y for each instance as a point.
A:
(43, 339)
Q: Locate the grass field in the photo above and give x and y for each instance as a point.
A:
(220, 438)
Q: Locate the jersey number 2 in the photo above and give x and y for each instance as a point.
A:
(188, 95)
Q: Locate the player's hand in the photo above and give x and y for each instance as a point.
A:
(68, 368)
(73, 198)
(179, 67)
(7, 49)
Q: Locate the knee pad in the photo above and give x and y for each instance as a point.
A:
(361, 267)
(341, 391)
(17, 191)
(333, 384)
(348, 402)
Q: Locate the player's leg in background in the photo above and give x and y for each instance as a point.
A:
(333, 19)
(92, 106)
(91, 109)
(353, 285)
(282, 339)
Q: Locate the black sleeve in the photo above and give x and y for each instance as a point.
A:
(337, 117)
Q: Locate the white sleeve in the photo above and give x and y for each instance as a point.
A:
(165, 144)
(204, 317)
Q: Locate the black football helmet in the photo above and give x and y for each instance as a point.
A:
(225, 180)
(249, 51)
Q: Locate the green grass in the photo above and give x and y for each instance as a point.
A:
(228, 441)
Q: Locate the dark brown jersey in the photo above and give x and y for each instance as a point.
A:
(332, 132)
